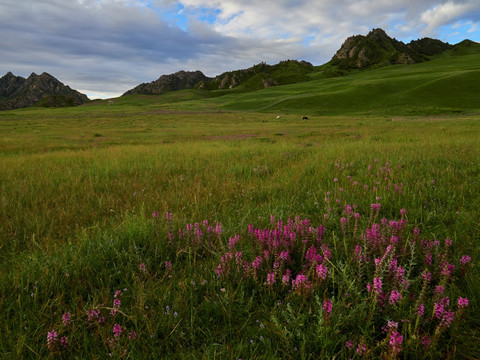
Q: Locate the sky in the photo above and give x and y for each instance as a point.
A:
(103, 48)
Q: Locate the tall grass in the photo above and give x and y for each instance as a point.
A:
(83, 217)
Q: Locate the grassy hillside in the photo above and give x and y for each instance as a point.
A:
(447, 85)
(439, 86)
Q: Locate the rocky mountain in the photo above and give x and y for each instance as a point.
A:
(254, 78)
(377, 49)
(179, 81)
(39, 90)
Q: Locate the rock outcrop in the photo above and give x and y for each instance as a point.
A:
(378, 49)
(178, 81)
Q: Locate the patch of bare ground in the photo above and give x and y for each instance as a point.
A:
(433, 118)
(183, 112)
(232, 137)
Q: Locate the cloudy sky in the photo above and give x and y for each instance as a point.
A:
(106, 47)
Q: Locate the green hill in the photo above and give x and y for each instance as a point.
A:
(446, 85)
(368, 74)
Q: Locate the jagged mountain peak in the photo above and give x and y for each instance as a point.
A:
(42, 90)
(378, 49)
(256, 77)
(172, 82)
(378, 33)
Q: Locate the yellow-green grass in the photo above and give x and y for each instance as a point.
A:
(62, 173)
(79, 187)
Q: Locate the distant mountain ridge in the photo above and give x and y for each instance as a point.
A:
(179, 81)
(358, 52)
(256, 77)
(39, 90)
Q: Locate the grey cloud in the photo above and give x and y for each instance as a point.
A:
(111, 46)
(112, 41)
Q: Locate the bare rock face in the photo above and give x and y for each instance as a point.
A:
(40, 90)
(224, 82)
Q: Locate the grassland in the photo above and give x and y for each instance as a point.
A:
(85, 192)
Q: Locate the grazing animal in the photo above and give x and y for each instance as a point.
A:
(305, 118)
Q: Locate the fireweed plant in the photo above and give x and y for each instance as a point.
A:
(357, 285)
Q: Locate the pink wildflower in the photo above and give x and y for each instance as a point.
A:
(52, 338)
(349, 344)
(427, 276)
(377, 285)
(447, 268)
(132, 335)
(238, 258)
(375, 207)
(327, 307)
(462, 302)
(142, 267)
(117, 330)
(439, 310)
(256, 263)
(284, 256)
(447, 319)
(448, 242)
(439, 290)
(271, 278)
(92, 314)
(465, 259)
(327, 254)
(322, 271)
(420, 310)
(66, 319)
(233, 241)
(392, 324)
(116, 303)
(301, 284)
(286, 277)
(395, 341)
(358, 251)
(395, 297)
(64, 342)
(426, 341)
(361, 348)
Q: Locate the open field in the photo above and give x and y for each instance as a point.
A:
(111, 243)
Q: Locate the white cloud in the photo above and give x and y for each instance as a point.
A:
(444, 14)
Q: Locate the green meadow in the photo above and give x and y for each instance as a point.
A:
(210, 225)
